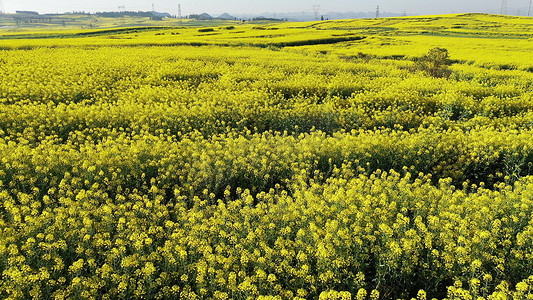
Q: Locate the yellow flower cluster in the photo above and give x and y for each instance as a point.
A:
(348, 234)
(261, 173)
(41, 93)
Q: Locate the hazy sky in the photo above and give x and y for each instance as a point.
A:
(275, 6)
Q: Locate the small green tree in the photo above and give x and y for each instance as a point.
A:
(435, 63)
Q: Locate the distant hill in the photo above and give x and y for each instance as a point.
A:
(226, 16)
(310, 16)
(203, 16)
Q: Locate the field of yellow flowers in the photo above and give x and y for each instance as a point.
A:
(282, 161)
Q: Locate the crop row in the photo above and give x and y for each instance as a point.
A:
(258, 161)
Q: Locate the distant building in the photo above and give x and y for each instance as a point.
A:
(27, 12)
(162, 15)
(143, 14)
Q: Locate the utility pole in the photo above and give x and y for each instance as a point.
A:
(122, 9)
(377, 12)
(316, 8)
(503, 9)
(529, 10)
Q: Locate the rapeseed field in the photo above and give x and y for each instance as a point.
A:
(318, 160)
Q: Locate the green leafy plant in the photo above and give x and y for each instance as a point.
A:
(435, 63)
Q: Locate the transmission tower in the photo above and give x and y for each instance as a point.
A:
(377, 12)
(1, 7)
(503, 10)
(316, 8)
(153, 7)
(122, 9)
(529, 10)
(179, 11)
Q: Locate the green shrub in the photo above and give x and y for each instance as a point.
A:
(435, 63)
(206, 30)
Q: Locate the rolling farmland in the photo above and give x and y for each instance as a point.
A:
(351, 159)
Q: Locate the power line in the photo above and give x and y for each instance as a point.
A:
(122, 9)
(316, 8)
(503, 9)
